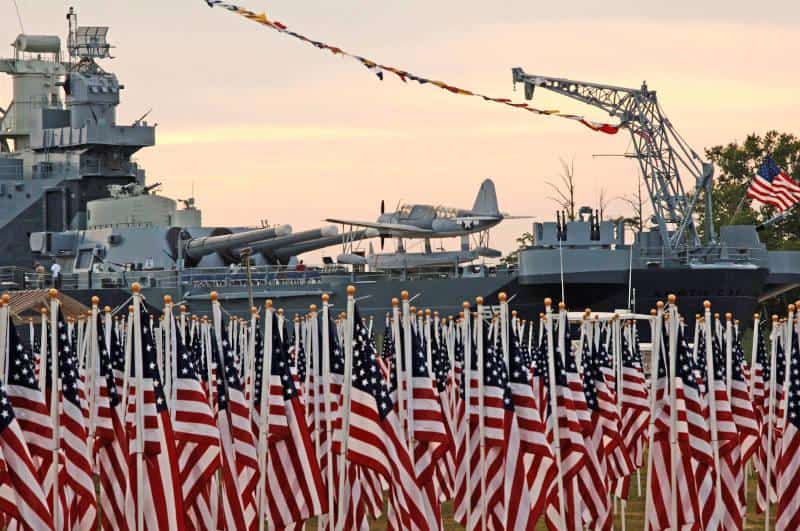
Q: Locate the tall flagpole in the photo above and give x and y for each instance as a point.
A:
(480, 348)
(407, 353)
(139, 440)
(712, 402)
(170, 347)
(4, 314)
(467, 341)
(771, 416)
(346, 406)
(551, 368)
(674, 327)
(728, 353)
(250, 367)
(398, 353)
(54, 403)
(656, 319)
(44, 339)
(326, 385)
(504, 341)
(92, 368)
(263, 424)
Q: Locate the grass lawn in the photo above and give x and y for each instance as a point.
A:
(634, 511)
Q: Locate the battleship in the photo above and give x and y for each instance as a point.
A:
(72, 194)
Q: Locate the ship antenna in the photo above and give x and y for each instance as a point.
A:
(19, 17)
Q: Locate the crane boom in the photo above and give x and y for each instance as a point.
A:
(661, 152)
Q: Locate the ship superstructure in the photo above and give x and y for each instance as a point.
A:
(60, 143)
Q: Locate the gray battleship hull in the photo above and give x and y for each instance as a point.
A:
(374, 292)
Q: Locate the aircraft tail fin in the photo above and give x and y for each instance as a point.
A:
(486, 201)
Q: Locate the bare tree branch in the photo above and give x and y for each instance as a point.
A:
(566, 191)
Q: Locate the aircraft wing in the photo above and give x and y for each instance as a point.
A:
(509, 216)
(382, 227)
(477, 217)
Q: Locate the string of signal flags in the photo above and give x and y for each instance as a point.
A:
(380, 70)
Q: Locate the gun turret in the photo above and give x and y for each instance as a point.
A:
(225, 244)
(283, 254)
(268, 247)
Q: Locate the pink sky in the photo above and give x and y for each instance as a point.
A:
(266, 127)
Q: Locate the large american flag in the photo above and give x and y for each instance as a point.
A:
(375, 438)
(773, 186)
(788, 516)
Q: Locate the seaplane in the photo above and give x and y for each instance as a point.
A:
(428, 222)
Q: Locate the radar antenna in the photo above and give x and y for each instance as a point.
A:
(661, 151)
(86, 43)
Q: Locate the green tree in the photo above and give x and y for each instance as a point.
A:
(736, 163)
(523, 241)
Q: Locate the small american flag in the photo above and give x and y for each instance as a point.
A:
(239, 461)
(72, 432)
(196, 434)
(162, 505)
(375, 438)
(295, 491)
(30, 428)
(788, 516)
(111, 442)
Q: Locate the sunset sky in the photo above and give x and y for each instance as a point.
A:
(266, 127)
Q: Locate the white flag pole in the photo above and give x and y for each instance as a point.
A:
(467, 341)
(771, 416)
(55, 402)
(712, 402)
(4, 315)
(407, 353)
(326, 386)
(674, 328)
(656, 320)
(92, 368)
(551, 368)
(346, 406)
(728, 353)
(170, 347)
(139, 441)
(480, 349)
(263, 424)
(44, 339)
(398, 352)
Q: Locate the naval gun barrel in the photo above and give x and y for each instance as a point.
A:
(268, 246)
(283, 254)
(197, 248)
